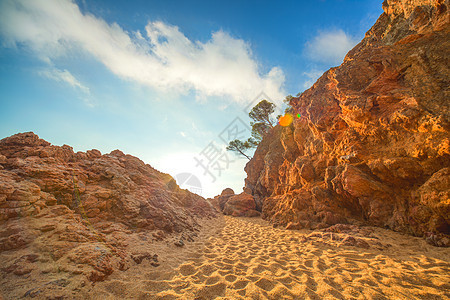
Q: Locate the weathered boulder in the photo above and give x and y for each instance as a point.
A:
(224, 197)
(242, 205)
(372, 144)
(227, 191)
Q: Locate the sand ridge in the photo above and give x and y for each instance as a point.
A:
(246, 258)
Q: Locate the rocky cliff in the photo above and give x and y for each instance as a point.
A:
(372, 144)
(75, 213)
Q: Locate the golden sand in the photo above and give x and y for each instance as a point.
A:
(243, 258)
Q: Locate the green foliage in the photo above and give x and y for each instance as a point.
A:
(287, 100)
(259, 130)
(263, 123)
(252, 142)
(240, 147)
(262, 111)
(289, 110)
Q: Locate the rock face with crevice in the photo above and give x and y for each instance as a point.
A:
(372, 144)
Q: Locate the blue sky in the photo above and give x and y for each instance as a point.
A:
(166, 81)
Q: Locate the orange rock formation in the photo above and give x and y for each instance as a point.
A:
(78, 208)
(373, 144)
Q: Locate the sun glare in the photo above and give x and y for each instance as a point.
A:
(286, 120)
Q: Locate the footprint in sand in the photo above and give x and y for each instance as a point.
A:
(260, 262)
(265, 284)
(230, 278)
(211, 291)
(257, 269)
(213, 280)
(187, 269)
(155, 285)
(207, 269)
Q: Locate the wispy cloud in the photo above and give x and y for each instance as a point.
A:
(330, 47)
(161, 57)
(312, 75)
(64, 76)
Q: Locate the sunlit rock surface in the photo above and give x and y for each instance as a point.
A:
(372, 143)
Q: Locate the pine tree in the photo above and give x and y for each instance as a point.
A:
(263, 123)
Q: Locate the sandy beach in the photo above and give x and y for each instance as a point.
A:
(269, 150)
(245, 258)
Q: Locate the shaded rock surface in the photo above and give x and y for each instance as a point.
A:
(74, 212)
(241, 205)
(224, 197)
(372, 145)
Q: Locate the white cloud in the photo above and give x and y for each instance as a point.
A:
(312, 75)
(330, 47)
(183, 162)
(64, 76)
(162, 57)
